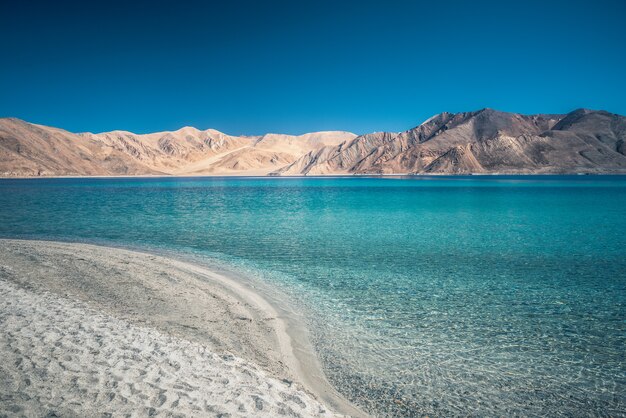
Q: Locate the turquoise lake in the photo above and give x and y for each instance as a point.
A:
(438, 296)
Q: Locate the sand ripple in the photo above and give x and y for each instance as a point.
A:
(62, 357)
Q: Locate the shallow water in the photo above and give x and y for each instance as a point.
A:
(442, 296)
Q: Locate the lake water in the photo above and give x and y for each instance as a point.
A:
(440, 296)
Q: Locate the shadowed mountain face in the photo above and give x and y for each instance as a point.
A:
(485, 141)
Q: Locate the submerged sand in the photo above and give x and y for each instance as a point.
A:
(89, 330)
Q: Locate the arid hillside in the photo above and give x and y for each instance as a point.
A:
(484, 141)
(34, 150)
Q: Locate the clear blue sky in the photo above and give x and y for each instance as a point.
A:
(249, 67)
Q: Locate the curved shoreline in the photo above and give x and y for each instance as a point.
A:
(295, 357)
(293, 337)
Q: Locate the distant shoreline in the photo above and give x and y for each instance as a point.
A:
(149, 176)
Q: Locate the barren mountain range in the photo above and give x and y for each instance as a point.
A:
(484, 141)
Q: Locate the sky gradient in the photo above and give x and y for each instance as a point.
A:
(292, 67)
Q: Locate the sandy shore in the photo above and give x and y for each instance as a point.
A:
(90, 330)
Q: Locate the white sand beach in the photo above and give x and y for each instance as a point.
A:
(96, 331)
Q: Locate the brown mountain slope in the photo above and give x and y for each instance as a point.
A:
(266, 153)
(485, 141)
(34, 150)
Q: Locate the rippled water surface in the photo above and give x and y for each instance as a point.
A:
(431, 296)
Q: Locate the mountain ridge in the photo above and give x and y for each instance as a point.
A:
(484, 141)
